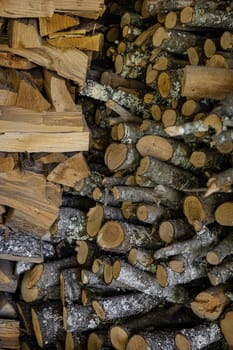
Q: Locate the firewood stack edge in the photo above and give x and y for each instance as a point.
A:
(116, 173)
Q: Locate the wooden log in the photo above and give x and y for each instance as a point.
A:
(177, 42)
(165, 174)
(210, 303)
(150, 340)
(221, 273)
(40, 9)
(167, 277)
(198, 337)
(70, 286)
(164, 149)
(206, 158)
(224, 141)
(199, 17)
(156, 195)
(47, 323)
(20, 246)
(72, 63)
(220, 183)
(9, 334)
(118, 307)
(218, 253)
(225, 325)
(116, 81)
(8, 281)
(25, 316)
(151, 127)
(142, 281)
(121, 237)
(172, 230)
(38, 283)
(202, 239)
(142, 259)
(200, 210)
(120, 156)
(70, 226)
(226, 40)
(74, 341)
(152, 214)
(223, 214)
(80, 318)
(207, 82)
(126, 132)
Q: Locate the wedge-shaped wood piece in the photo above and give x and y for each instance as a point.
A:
(8, 96)
(30, 194)
(69, 63)
(9, 334)
(10, 60)
(29, 97)
(19, 120)
(58, 93)
(24, 33)
(91, 42)
(21, 246)
(70, 171)
(57, 22)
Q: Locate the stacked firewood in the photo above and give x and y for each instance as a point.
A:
(129, 245)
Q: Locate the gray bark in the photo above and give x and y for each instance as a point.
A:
(154, 340)
(221, 273)
(71, 285)
(221, 250)
(80, 318)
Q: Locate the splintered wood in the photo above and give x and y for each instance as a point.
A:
(123, 239)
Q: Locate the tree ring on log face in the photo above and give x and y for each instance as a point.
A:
(194, 212)
(166, 231)
(198, 159)
(155, 146)
(119, 337)
(111, 235)
(137, 342)
(115, 155)
(94, 342)
(36, 327)
(182, 342)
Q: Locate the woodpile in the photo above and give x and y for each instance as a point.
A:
(116, 173)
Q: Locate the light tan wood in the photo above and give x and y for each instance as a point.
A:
(224, 214)
(226, 327)
(7, 163)
(58, 93)
(91, 42)
(23, 33)
(29, 97)
(69, 63)
(9, 334)
(57, 22)
(10, 60)
(27, 193)
(70, 171)
(26, 8)
(8, 97)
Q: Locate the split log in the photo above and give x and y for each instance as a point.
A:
(198, 337)
(8, 281)
(9, 334)
(165, 174)
(176, 153)
(9, 60)
(172, 230)
(224, 214)
(225, 325)
(70, 286)
(7, 306)
(23, 33)
(47, 323)
(118, 307)
(167, 277)
(71, 225)
(210, 303)
(72, 63)
(207, 82)
(80, 318)
(221, 273)
(158, 195)
(195, 245)
(200, 210)
(56, 23)
(152, 340)
(221, 182)
(142, 281)
(25, 316)
(40, 9)
(121, 237)
(38, 283)
(74, 39)
(220, 251)
(20, 246)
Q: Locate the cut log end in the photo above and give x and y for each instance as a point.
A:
(111, 235)
(166, 232)
(161, 276)
(182, 342)
(115, 156)
(212, 258)
(82, 252)
(94, 342)
(119, 337)
(137, 342)
(194, 212)
(224, 214)
(98, 309)
(164, 84)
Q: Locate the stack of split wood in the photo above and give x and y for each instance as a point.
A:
(129, 245)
